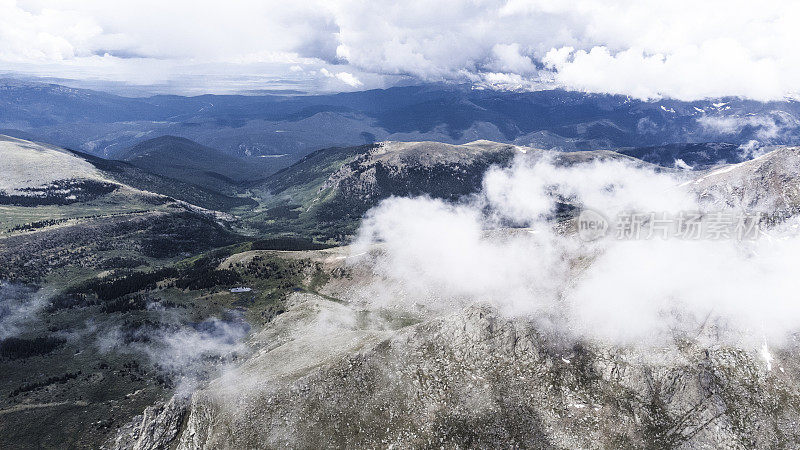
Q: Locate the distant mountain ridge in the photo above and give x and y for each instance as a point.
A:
(104, 124)
(696, 156)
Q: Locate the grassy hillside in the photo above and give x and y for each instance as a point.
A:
(99, 349)
(134, 176)
(96, 277)
(190, 162)
(44, 186)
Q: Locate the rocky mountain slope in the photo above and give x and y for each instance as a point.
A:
(43, 182)
(320, 365)
(334, 371)
(477, 379)
(330, 374)
(769, 183)
(410, 169)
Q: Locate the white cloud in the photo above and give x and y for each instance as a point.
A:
(509, 58)
(683, 49)
(49, 35)
(345, 77)
(715, 69)
(443, 256)
(767, 126)
(349, 79)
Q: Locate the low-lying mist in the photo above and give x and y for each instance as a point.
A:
(19, 304)
(439, 256)
(185, 353)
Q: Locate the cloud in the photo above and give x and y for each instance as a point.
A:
(444, 256)
(19, 304)
(509, 59)
(775, 126)
(648, 49)
(345, 77)
(186, 352)
(48, 35)
(685, 74)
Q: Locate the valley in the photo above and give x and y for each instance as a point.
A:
(150, 308)
(342, 224)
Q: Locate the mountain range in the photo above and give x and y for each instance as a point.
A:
(187, 272)
(286, 127)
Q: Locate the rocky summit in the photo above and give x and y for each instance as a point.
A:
(477, 379)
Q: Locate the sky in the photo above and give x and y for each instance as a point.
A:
(645, 49)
